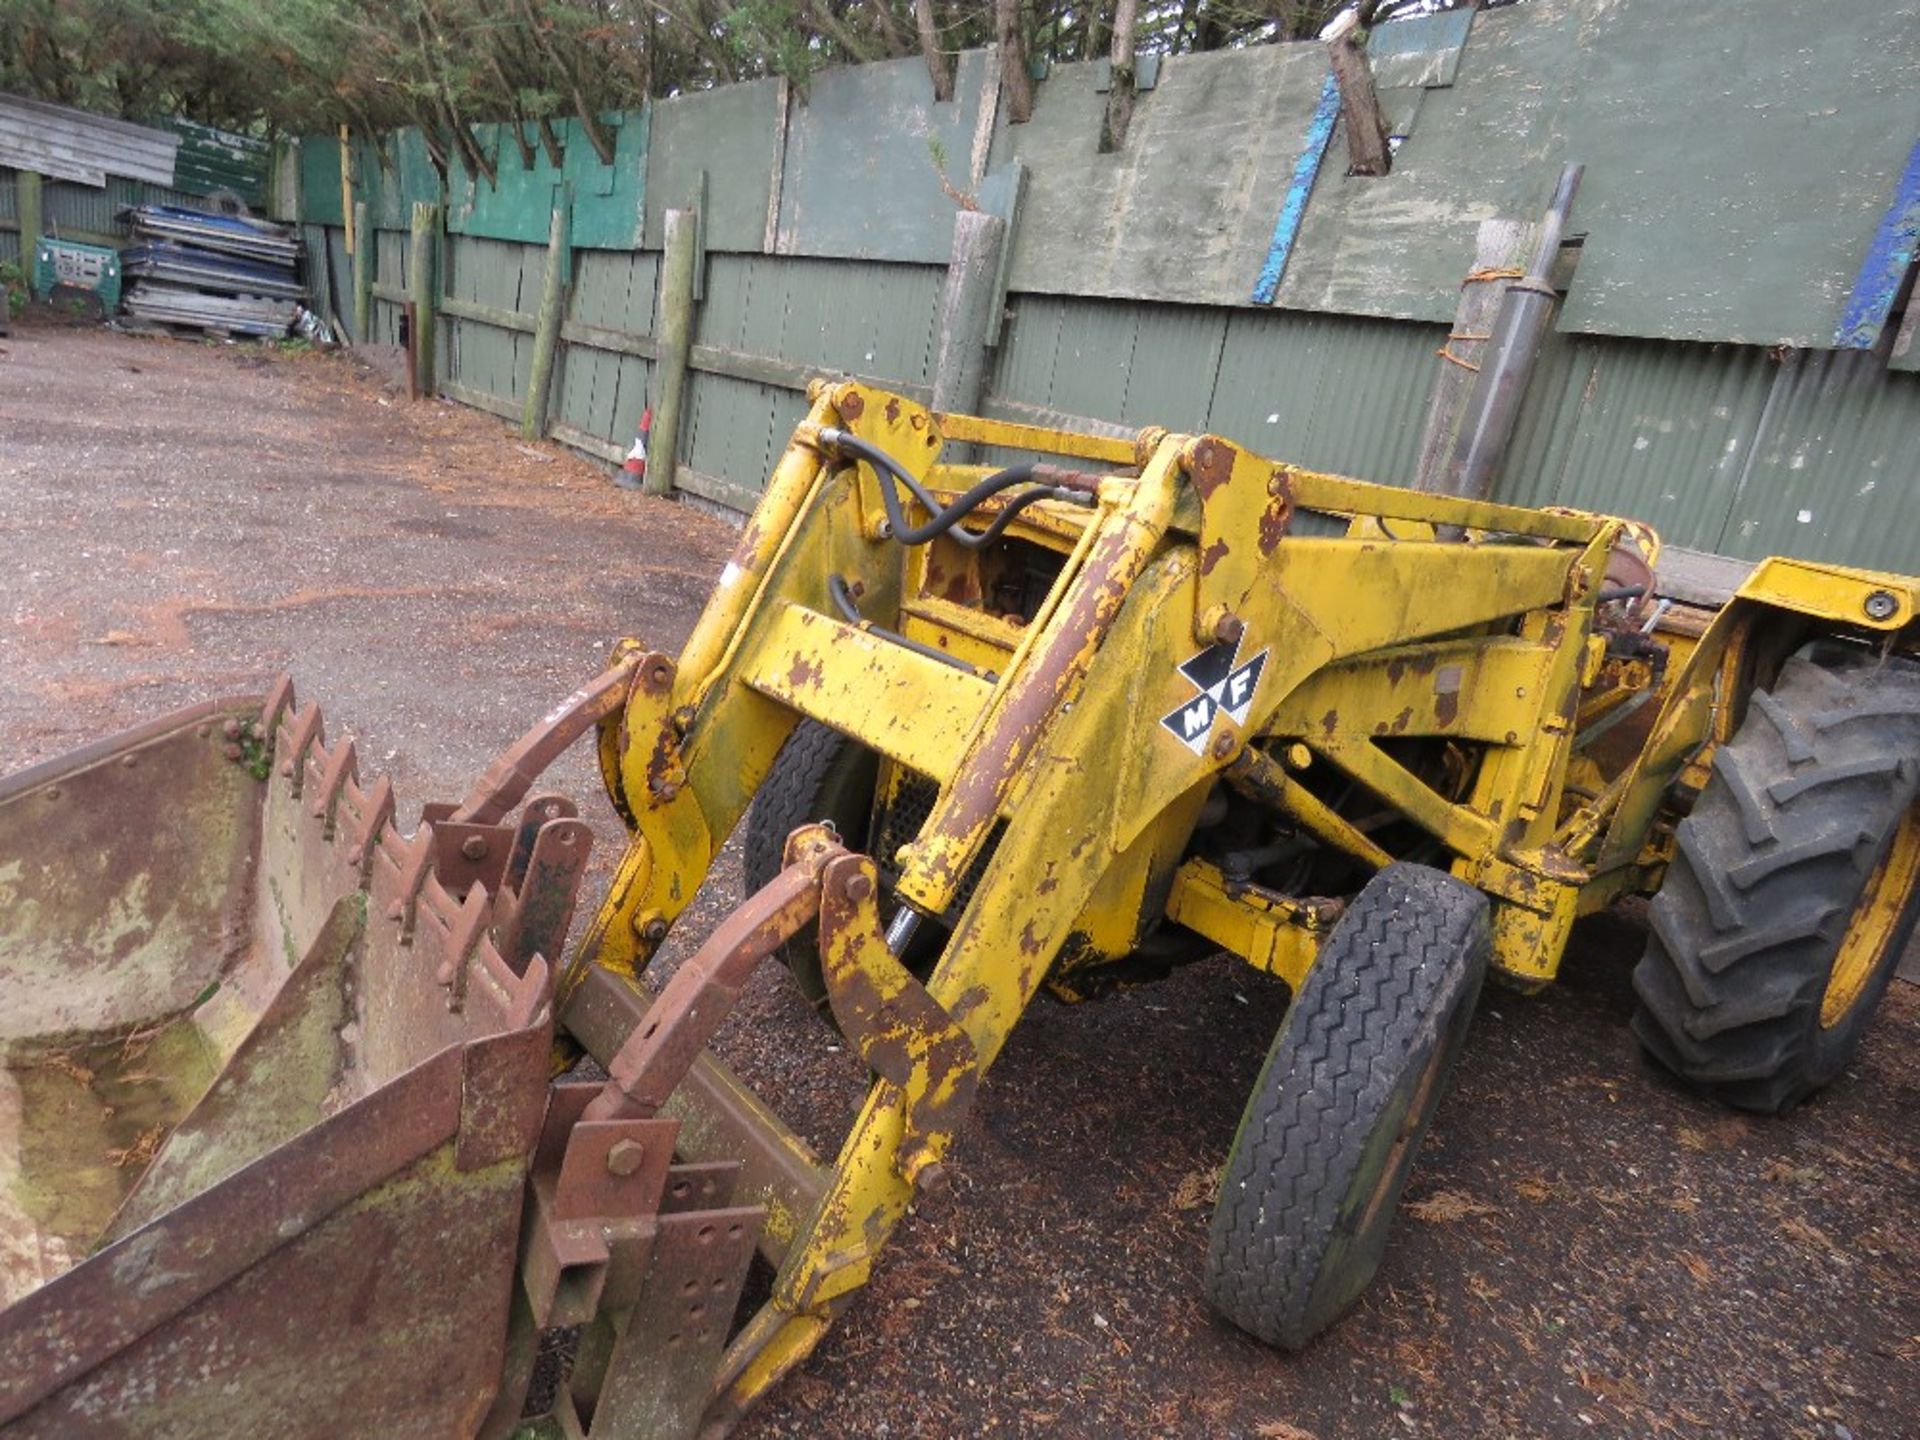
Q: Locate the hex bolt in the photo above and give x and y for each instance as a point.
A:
(474, 847)
(651, 926)
(1224, 744)
(624, 1157)
(231, 729)
(683, 719)
(857, 887)
(1881, 605)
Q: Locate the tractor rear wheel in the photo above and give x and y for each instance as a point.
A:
(1793, 889)
(1330, 1132)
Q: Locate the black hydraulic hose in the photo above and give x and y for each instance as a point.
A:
(1620, 592)
(945, 521)
(850, 611)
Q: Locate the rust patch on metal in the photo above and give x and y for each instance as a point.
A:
(850, 405)
(1210, 465)
(803, 674)
(893, 409)
(1212, 556)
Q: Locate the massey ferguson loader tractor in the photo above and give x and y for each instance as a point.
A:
(311, 1127)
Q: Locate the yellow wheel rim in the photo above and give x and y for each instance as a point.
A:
(1870, 930)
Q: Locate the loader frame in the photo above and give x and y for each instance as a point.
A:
(1212, 622)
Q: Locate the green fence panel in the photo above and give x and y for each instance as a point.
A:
(609, 199)
(320, 180)
(732, 135)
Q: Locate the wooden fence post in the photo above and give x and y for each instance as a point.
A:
(364, 259)
(676, 346)
(966, 312)
(546, 329)
(27, 201)
(420, 289)
(1499, 257)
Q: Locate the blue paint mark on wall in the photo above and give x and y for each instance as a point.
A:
(1887, 262)
(1306, 170)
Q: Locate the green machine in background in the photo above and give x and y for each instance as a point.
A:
(94, 269)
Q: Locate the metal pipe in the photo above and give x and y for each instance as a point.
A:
(1526, 311)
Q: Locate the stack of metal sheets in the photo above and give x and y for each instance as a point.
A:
(201, 270)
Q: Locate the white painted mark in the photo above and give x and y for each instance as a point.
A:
(1805, 517)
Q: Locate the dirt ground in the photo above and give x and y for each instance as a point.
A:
(1586, 1250)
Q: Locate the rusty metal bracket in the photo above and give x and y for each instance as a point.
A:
(535, 907)
(900, 1030)
(1246, 508)
(654, 1060)
(508, 779)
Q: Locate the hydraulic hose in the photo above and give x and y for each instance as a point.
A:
(946, 521)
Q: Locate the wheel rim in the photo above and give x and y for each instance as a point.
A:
(1874, 923)
(1403, 1135)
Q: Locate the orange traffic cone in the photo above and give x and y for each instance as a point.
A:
(633, 470)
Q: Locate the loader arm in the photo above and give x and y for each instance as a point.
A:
(1071, 748)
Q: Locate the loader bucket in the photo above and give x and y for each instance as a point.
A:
(270, 1077)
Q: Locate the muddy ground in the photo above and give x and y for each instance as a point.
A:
(1586, 1251)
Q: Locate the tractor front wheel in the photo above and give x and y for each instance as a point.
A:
(1793, 889)
(819, 774)
(1352, 1081)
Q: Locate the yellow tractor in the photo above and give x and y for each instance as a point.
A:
(1054, 724)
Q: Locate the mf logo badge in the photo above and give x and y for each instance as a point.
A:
(1225, 688)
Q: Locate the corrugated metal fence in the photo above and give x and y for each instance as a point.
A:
(1721, 447)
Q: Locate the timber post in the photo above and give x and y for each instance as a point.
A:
(1367, 150)
(1500, 255)
(546, 328)
(677, 280)
(966, 313)
(363, 262)
(27, 200)
(420, 290)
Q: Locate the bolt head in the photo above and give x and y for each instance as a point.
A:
(1224, 744)
(1881, 605)
(857, 888)
(231, 729)
(655, 930)
(474, 847)
(624, 1157)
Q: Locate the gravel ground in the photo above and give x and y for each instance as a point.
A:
(1586, 1250)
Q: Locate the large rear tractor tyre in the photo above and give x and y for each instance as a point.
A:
(1793, 889)
(1333, 1124)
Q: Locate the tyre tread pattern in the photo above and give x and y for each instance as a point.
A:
(1375, 996)
(1802, 802)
